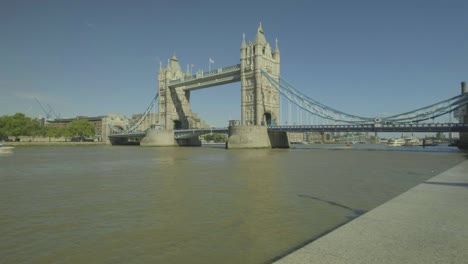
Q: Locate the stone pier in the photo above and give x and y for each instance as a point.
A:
(165, 138)
(250, 136)
(244, 136)
(159, 138)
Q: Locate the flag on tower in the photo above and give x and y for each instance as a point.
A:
(211, 60)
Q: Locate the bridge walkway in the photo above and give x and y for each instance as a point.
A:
(427, 224)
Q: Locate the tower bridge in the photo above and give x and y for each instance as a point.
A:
(261, 91)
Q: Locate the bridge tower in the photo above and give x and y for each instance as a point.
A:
(174, 104)
(260, 101)
(173, 108)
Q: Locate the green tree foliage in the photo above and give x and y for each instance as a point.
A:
(20, 125)
(55, 132)
(80, 127)
(218, 138)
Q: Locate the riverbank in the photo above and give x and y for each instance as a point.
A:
(426, 224)
(51, 143)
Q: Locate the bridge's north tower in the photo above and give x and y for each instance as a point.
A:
(174, 104)
(260, 101)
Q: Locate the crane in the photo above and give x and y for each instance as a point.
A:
(48, 113)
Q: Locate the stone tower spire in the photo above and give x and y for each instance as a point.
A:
(243, 45)
(276, 47)
(260, 37)
(276, 52)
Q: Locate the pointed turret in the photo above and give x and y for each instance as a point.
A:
(174, 65)
(276, 48)
(260, 37)
(243, 45)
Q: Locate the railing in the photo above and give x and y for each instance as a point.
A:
(187, 133)
(421, 127)
(318, 109)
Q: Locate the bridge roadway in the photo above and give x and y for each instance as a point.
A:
(423, 127)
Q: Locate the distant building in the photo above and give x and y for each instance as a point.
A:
(103, 123)
(100, 124)
(64, 122)
(313, 137)
(296, 137)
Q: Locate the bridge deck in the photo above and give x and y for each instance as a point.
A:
(423, 127)
(426, 127)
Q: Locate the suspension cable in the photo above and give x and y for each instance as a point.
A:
(318, 109)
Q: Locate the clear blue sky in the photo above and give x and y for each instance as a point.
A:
(367, 58)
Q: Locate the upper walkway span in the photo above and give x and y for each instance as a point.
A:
(202, 80)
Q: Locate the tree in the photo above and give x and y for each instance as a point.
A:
(55, 132)
(81, 128)
(3, 130)
(218, 138)
(19, 125)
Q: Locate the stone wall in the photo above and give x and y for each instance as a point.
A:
(39, 139)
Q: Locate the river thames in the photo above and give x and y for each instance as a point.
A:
(111, 204)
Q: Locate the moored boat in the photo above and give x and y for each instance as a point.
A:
(412, 141)
(396, 142)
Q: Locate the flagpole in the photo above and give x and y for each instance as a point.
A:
(209, 64)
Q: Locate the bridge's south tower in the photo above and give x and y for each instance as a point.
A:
(260, 100)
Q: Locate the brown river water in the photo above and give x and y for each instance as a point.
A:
(111, 204)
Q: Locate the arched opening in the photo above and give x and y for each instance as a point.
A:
(267, 119)
(177, 124)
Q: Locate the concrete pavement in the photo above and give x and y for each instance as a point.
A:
(427, 224)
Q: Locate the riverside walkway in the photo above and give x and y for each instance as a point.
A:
(426, 224)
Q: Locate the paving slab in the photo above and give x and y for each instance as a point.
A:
(427, 224)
